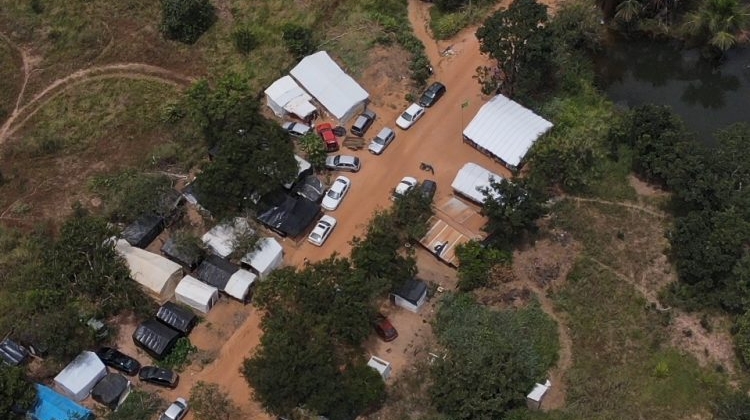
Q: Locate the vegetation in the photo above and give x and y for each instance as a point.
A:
(179, 357)
(129, 195)
(477, 262)
(299, 40)
(138, 406)
(245, 40)
(17, 394)
(186, 20)
(209, 402)
(512, 209)
(491, 357)
(719, 23)
(314, 149)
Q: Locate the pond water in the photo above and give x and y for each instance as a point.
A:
(707, 97)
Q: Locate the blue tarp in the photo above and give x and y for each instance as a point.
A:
(53, 406)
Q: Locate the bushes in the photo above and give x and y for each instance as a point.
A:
(245, 40)
(476, 264)
(299, 40)
(186, 20)
(179, 357)
(209, 402)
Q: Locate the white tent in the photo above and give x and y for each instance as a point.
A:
(157, 274)
(382, 366)
(196, 294)
(239, 284)
(284, 96)
(471, 179)
(535, 397)
(268, 257)
(80, 376)
(341, 95)
(221, 238)
(505, 130)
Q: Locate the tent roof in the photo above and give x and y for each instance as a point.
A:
(196, 290)
(239, 284)
(471, 179)
(286, 93)
(221, 237)
(268, 251)
(329, 84)
(53, 406)
(412, 290)
(12, 353)
(286, 214)
(144, 230)
(109, 389)
(156, 338)
(177, 317)
(150, 270)
(506, 129)
(215, 271)
(81, 374)
(179, 255)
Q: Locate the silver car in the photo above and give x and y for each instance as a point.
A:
(296, 129)
(343, 163)
(176, 411)
(381, 141)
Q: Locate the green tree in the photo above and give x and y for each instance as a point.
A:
(186, 20)
(209, 402)
(512, 209)
(410, 214)
(742, 338)
(720, 23)
(314, 149)
(299, 40)
(476, 266)
(17, 394)
(245, 40)
(518, 39)
(129, 194)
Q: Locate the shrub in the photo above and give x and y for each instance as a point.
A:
(186, 20)
(298, 39)
(179, 357)
(245, 40)
(210, 402)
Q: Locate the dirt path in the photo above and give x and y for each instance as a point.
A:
(644, 209)
(21, 114)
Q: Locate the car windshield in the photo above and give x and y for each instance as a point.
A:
(334, 194)
(406, 116)
(378, 140)
(315, 236)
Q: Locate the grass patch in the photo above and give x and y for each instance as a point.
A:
(10, 79)
(623, 367)
(139, 405)
(446, 25)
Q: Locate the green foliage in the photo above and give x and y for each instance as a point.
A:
(245, 40)
(492, 357)
(186, 20)
(512, 209)
(130, 194)
(299, 40)
(189, 245)
(519, 40)
(719, 23)
(138, 406)
(742, 338)
(410, 214)
(576, 27)
(209, 402)
(450, 5)
(314, 149)
(37, 6)
(476, 266)
(17, 394)
(179, 357)
(734, 406)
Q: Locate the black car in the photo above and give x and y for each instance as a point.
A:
(432, 94)
(159, 376)
(362, 123)
(117, 360)
(428, 188)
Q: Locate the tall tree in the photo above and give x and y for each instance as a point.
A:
(720, 23)
(520, 42)
(512, 209)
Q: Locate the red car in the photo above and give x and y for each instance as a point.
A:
(325, 131)
(386, 331)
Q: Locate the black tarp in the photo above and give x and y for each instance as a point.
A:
(109, 390)
(310, 188)
(144, 230)
(176, 317)
(183, 255)
(215, 271)
(12, 353)
(286, 215)
(412, 290)
(155, 338)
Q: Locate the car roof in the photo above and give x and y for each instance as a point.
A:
(384, 132)
(174, 409)
(413, 108)
(328, 219)
(341, 180)
(435, 86)
(347, 159)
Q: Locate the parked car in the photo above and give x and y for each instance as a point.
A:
(383, 327)
(325, 131)
(406, 184)
(343, 163)
(118, 360)
(322, 230)
(311, 188)
(363, 123)
(296, 129)
(159, 376)
(336, 193)
(413, 113)
(176, 411)
(428, 188)
(381, 141)
(432, 94)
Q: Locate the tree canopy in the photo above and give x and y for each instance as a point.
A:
(477, 262)
(186, 20)
(512, 209)
(17, 394)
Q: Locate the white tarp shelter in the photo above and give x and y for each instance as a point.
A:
(339, 94)
(239, 284)
(80, 376)
(505, 130)
(157, 274)
(221, 238)
(382, 366)
(268, 257)
(196, 294)
(471, 179)
(285, 96)
(534, 399)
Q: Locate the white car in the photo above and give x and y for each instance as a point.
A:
(176, 411)
(322, 230)
(296, 129)
(410, 116)
(407, 184)
(336, 193)
(381, 141)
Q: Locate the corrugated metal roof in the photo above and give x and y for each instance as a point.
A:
(506, 129)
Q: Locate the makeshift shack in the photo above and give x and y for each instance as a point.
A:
(287, 215)
(176, 317)
(187, 256)
(144, 230)
(196, 294)
(155, 338)
(12, 353)
(411, 295)
(156, 274)
(80, 376)
(111, 390)
(268, 256)
(52, 406)
(382, 366)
